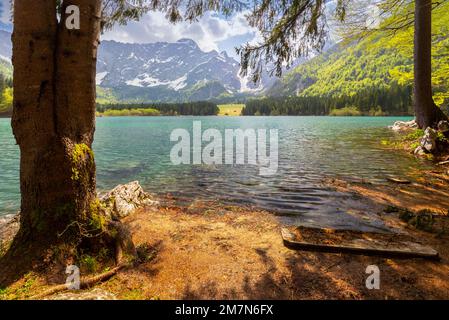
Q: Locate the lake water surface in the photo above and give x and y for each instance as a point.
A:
(310, 150)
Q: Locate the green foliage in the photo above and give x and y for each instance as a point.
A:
(375, 103)
(200, 108)
(441, 137)
(131, 112)
(286, 106)
(106, 95)
(415, 135)
(6, 94)
(231, 109)
(97, 219)
(289, 29)
(346, 111)
(146, 252)
(81, 152)
(89, 263)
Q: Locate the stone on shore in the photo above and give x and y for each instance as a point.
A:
(124, 199)
(443, 126)
(9, 225)
(419, 151)
(429, 140)
(404, 125)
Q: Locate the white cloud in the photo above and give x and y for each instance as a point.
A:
(5, 13)
(208, 32)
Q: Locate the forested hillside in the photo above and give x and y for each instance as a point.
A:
(380, 65)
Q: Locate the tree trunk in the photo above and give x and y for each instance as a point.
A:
(427, 113)
(54, 117)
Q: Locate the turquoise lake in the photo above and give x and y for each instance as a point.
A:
(310, 150)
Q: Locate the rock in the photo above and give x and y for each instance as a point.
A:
(429, 140)
(9, 225)
(95, 294)
(124, 199)
(419, 151)
(443, 126)
(404, 125)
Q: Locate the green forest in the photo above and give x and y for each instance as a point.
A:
(372, 101)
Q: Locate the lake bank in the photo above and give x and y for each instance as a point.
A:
(211, 251)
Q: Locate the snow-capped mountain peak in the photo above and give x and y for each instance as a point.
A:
(176, 69)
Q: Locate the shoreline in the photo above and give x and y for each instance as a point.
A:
(234, 252)
(233, 116)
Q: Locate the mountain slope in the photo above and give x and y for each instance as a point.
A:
(167, 71)
(158, 72)
(5, 54)
(380, 61)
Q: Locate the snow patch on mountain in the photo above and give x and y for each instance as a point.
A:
(178, 67)
(100, 76)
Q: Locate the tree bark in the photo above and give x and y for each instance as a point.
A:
(427, 113)
(54, 117)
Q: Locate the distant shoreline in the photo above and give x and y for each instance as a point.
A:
(221, 115)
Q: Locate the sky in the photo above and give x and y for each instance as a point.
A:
(211, 32)
(5, 15)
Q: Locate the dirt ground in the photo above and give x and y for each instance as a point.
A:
(239, 254)
(224, 252)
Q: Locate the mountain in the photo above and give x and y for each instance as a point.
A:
(5, 53)
(166, 72)
(5, 45)
(159, 72)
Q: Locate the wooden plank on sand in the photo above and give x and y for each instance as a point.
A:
(362, 246)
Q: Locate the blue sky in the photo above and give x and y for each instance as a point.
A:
(212, 32)
(4, 15)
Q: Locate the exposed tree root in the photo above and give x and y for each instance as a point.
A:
(125, 255)
(86, 283)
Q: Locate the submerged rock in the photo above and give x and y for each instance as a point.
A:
(429, 140)
(404, 125)
(124, 199)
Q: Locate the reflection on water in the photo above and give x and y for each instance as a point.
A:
(310, 149)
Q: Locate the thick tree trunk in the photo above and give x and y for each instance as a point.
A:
(54, 117)
(427, 113)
